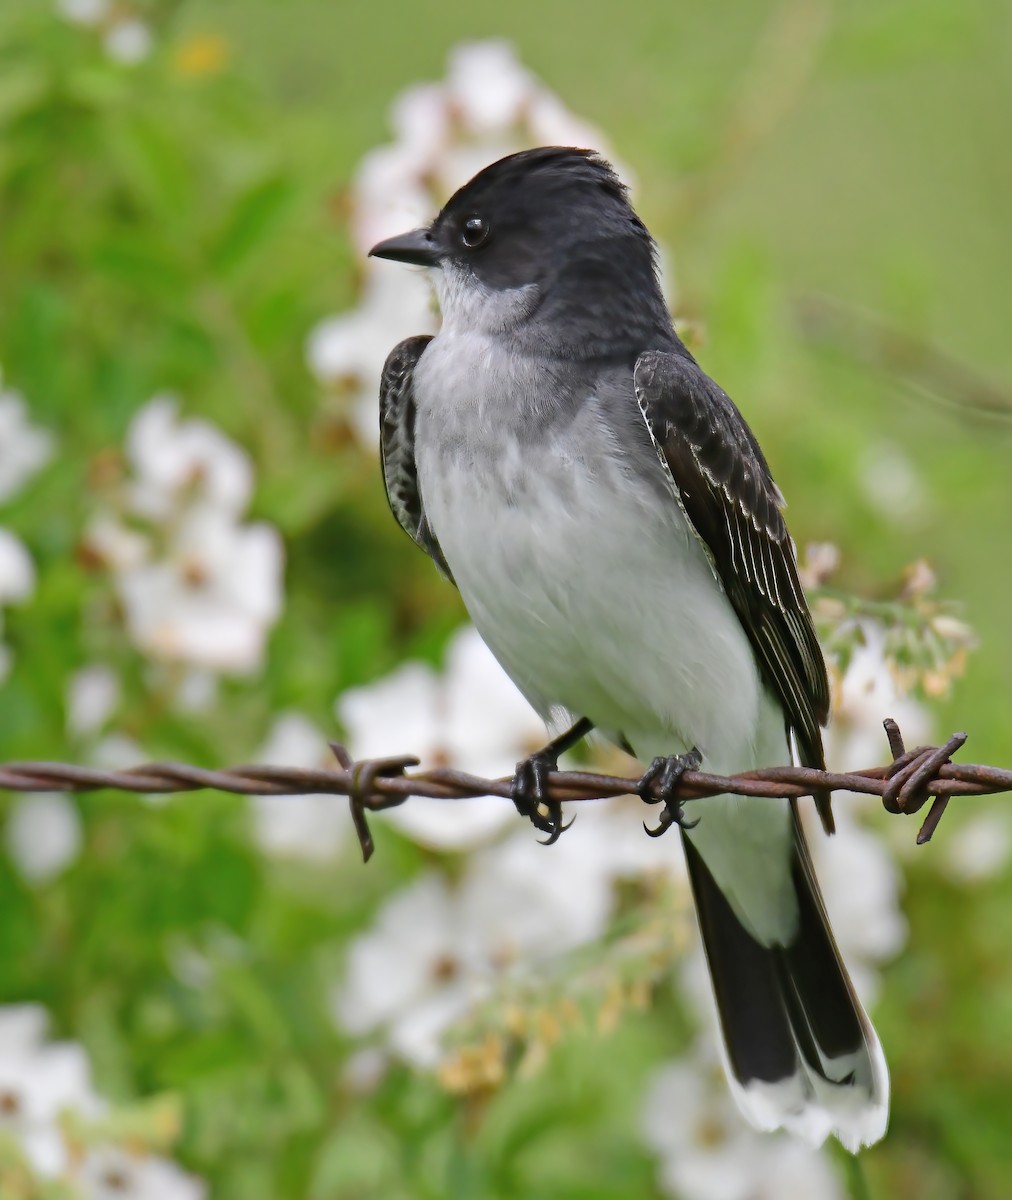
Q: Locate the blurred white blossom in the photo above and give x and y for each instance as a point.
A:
(348, 350)
(212, 599)
(125, 36)
(471, 717)
(17, 571)
(17, 583)
(38, 1080)
(178, 461)
(198, 587)
(891, 485)
(869, 692)
(487, 105)
(43, 1082)
(23, 447)
(437, 949)
(977, 846)
(84, 12)
(118, 752)
(128, 41)
(707, 1152)
(314, 826)
(43, 834)
(196, 690)
(93, 692)
(114, 545)
(113, 1173)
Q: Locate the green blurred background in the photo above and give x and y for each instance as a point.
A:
(834, 183)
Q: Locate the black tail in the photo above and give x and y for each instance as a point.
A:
(800, 1051)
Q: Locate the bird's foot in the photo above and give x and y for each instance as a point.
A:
(660, 784)
(529, 792)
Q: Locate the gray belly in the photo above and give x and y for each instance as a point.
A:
(584, 578)
(588, 585)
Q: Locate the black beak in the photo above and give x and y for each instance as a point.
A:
(416, 247)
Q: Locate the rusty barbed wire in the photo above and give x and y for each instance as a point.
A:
(905, 785)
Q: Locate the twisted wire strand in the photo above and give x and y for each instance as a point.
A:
(905, 785)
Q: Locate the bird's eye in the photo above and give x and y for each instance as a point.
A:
(474, 232)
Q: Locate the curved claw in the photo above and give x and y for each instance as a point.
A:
(666, 821)
(666, 774)
(530, 783)
(559, 827)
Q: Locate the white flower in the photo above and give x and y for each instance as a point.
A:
(17, 583)
(488, 87)
(390, 192)
(553, 124)
(421, 121)
(488, 724)
(174, 460)
(313, 826)
(609, 837)
(398, 713)
(530, 903)
(17, 571)
(113, 545)
(196, 691)
(37, 1082)
(110, 1173)
(707, 1152)
(349, 350)
(43, 835)
(891, 484)
(867, 695)
(93, 692)
(128, 41)
(23, 447)
(820, 561)
(199, 589)
(435, 951)
(406, 973)
(22, 1029)
(118, 752)
(84, 12)
(472, 717)
(977, 847)
(213, 600)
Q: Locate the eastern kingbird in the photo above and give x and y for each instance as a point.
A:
(618, 540)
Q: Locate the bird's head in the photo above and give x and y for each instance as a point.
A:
(547, 234)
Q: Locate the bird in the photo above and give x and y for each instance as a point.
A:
(618, 540)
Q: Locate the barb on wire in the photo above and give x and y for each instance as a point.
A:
(905, 785)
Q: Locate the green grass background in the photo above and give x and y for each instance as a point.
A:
(159, 230)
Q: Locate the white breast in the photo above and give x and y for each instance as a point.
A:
(589, 588)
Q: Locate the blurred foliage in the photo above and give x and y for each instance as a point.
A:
(178, 225)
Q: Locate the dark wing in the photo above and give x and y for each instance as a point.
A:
(729, 497)
(397, 445)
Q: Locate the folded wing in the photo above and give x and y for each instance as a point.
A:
(397, 445)
(725, 488)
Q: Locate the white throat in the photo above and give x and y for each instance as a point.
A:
(469, 306)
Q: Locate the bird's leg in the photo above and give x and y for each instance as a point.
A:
(660, 784)
(530, 783)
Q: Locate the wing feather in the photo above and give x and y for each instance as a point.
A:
(724, 486)
(397, 445)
